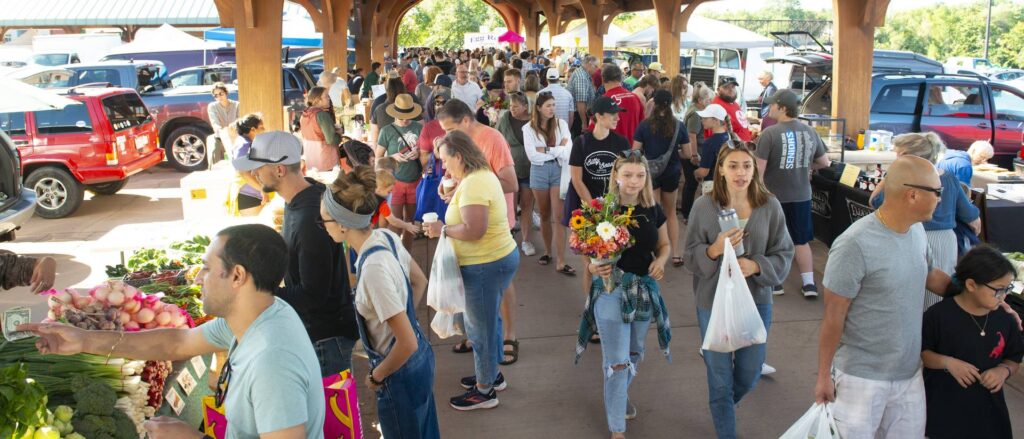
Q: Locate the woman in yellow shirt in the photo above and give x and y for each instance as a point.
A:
(477, 224)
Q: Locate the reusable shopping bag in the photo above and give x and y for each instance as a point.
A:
(215, 424)
(735, 322)
(342, 415)
(816, 423)
(427, 199)
(445, 291)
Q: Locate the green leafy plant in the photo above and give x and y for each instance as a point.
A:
(22, 402)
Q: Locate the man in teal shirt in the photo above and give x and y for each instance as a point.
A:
(634, 77)
(270, 383)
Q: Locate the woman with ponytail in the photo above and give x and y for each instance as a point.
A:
(970, 347)
(401, 360)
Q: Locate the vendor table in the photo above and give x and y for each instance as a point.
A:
(835, 206)
(193, 411)
(1003, 224)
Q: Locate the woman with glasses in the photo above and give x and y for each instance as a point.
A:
(320, 137)
(635, 277)
(401, 359)
(510, 125)
(954, 205)
(768, 253)
(546, 141)
(222, 112)
(970, 347)
(702, 96)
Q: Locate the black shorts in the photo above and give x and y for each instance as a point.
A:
(668, 181)
(798, 221)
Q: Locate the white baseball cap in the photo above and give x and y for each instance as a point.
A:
(552, 73)
(270, 148)
(714, 110)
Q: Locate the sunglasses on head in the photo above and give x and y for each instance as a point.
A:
(631, 153)
(263, 160)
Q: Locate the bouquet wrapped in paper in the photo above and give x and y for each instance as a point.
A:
(600, 231)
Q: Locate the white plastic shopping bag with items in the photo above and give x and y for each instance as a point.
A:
(735, 322)
(817, 423)
(445, 290)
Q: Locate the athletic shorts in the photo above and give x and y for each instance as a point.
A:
(798, 221)
(668, 181)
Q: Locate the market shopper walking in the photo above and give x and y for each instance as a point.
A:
(641, 266)
(316, 283)
(583, 93)
(477, 224)
(320, 137)
(510, 125)
(401, 359)
(702, 96)
(270, 385)
(875, 281)
(787, 152)
(465, 90)
(546, 141)
(399, 141)
(769, 253)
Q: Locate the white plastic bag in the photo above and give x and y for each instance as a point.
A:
(816, 423)
(735, 322)
(445, 290)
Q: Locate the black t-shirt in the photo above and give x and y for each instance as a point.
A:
(637, 259)
(709, 152)
(596, 157)
(974, 412)
(656, 144)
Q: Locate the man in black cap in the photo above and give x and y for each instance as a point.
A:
(727, 99)
(786, 154)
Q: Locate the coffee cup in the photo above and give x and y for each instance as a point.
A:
(429, 217)
(448, 184)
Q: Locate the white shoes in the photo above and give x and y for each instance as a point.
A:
(767, 370)
(536, 221)
(528, 248)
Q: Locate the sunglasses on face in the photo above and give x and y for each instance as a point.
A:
(937, 191)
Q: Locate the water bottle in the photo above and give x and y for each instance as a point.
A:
(728, 220)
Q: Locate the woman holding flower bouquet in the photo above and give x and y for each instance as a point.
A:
(628, 224)
(768, 255)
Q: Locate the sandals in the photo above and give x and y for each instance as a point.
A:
(595, 339)
(514, 353)
(544, 260)
(462, 347)
(677, 261)
(567, 270)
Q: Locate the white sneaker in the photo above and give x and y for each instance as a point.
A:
(536, 221)
(528, 248)
(700, 352)
(767, 370)
(778, 291)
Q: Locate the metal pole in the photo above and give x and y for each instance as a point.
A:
(988, 27)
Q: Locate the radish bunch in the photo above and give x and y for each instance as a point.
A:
(114, 305)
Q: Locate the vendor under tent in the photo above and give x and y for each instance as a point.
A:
(168, 44)
(703, 33)
(578, 37)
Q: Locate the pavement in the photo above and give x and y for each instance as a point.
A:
(548, 396)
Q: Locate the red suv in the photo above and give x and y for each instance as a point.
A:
(94, 146)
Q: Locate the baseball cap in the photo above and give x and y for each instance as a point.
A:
(784, 98)
(443, 80)
(656, 66)
(714, 110)
(726, 81)
(605, 105)
(270, 148)
(553, 73)
(662, 97)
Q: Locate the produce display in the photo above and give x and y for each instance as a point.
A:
(115, 305)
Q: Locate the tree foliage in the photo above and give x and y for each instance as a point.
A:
(443, 23)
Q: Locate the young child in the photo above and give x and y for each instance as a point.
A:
(386, 164)
(970, 347)
(385, 184)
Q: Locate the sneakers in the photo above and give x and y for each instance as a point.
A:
(767, 370)
(778, 291)
(630, 410)
(528, 248)
(470, 382)
(473, 400)
(536, 221)
(809, 290)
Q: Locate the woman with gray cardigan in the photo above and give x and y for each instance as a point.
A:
(765, 263)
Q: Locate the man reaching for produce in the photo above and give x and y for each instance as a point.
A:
(20, 271)
(270, 386)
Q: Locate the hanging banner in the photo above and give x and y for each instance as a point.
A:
(475, 40)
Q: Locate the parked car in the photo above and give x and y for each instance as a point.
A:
(141, 75)
(203, 75)
(95, 146)
(42, 76)
(1007, 74)
(968, 65)
(17, 203)
(55, 58)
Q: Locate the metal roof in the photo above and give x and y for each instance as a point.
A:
(56, 13)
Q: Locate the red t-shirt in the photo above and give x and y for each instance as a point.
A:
(410, 81)
(739, 120)
(430, 131)
(596, 77)
(629, 119)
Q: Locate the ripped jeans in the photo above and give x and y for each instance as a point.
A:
(622, 344)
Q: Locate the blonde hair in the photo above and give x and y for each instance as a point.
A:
(387, 164)
(926, 145)
(356, 190)
(385, 178)
(646, 197)
(701, 91)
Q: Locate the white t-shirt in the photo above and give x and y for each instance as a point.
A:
(382, 292)
(335, 92)
(532, 140)
(469, 93)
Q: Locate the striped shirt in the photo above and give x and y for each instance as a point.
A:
(564, 102)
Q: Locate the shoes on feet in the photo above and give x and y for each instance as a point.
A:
(630, 410)
(536, 221)
(473, 400)
(809, 290)
(470, 382)
(767, 370)
(778, 291)
(528, 248)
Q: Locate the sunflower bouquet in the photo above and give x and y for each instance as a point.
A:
(600, 231)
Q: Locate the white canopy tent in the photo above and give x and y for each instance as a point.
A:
(703, 33)
(577, 37)
(165, 38)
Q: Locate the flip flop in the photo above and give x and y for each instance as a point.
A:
(544, 260)
(567, 270)
(462, 347)
(595, 339)
(514, 353)
(677, 261)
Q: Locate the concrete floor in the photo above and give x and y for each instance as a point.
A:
(547, 395)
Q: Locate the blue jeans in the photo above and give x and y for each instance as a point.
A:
(621, 344)
(335, 355)
(405, 404)
(485, 284)
(731, 375)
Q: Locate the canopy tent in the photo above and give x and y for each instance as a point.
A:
(165, 38)
(578, 36)
(703, 33)
(510, 37)
(295, 32)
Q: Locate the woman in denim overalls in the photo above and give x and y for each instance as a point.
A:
(402, 374)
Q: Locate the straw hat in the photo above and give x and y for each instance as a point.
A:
(404, 108)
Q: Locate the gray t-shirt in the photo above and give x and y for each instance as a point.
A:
(220, 116)
(789, 148)
(884, 274)
(275, 375)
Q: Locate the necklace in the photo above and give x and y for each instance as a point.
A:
(980, 327)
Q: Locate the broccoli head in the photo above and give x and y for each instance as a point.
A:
(124, 427)
(95, 399)
(95, 427)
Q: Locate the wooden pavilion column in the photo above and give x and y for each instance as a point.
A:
(364, 38)
(531, 26)
(853, 55)
(257, 26)
(672, 22)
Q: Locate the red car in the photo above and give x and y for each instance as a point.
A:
(94, 146)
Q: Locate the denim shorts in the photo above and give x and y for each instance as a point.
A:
(546, 176)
